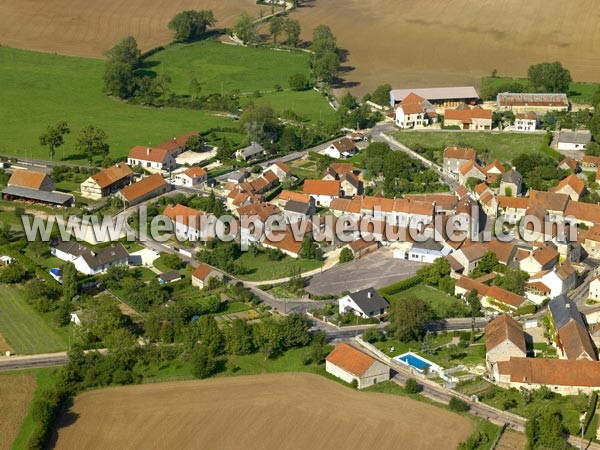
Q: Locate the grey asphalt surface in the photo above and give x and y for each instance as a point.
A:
(377, 270)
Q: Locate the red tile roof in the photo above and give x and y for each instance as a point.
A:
(177, 142)
(112, 174)
(350, 359)
(202, 271)
(184, 214)
(460, 153)
(322, 187)
(153, 154)
(141, 188)
(572, 181)
(504, 328)
(560, 372)
(195, 172)
(27, 178)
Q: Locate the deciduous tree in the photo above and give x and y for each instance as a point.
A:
(91, 142)
(54, 137)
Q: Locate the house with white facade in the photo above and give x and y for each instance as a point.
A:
(203, 273)
(151, 158)
(574, 140)
(194, 176)
(366, 303)
(91, 261)
(594, 290)
(190, 223)
(341, 148)
(352, 365)
(526, 122)
(322, 191)
(415, 112)
(456, 157)
(107, 181)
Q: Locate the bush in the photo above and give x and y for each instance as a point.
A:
(456, 404)
(411, 386)
(298, 82)
(346, 255)
(372, 335)
(589, 415)
(401, 285)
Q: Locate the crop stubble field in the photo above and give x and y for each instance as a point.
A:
(16, 391)
(285, 411)
(404, 43)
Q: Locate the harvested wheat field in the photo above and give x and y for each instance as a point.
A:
(511, 440)
(454, 42)
(89, 28)
(16, 392)
(283, 411)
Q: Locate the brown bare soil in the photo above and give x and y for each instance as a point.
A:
(4, 346)
(16, 392)
(455, 42)
(89, 28)
(511, 440)
(283, 411)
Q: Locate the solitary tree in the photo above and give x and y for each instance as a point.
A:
(276, 27)
(126, 51)
(54, 136)
(195, 88)
(553, 77)
(91, 141)
(407, 319)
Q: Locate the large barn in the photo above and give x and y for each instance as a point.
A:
(438, 96)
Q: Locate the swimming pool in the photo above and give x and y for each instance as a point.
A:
(415, 361)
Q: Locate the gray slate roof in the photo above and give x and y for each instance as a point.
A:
(512, 176)
(57, 198)
(169, 276)
(95, 258)
(564, 310)
(573, 137)
(251, 150)
(297, 207)
(367, 303)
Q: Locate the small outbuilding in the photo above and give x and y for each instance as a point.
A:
(350, 364)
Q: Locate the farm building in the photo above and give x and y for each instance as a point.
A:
(469, 119)
(366, 303)
(151, 158)
(574, 140)
(177, 145)
(438, 96)
(526, 103)
(34, 187)
(145, 189)
(504, 338)
(107, 181)
(352, 365)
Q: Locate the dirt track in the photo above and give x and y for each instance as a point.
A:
(283, 411)
(403, 42)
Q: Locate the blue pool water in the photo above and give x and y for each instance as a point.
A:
(414, 361)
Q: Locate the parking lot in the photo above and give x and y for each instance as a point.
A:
(377, 269)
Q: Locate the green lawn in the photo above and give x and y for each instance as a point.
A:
(39, 89)
(503, 147)
(223, 68)
(443, 305)
(262, 268)
(578, 92)
(24, 328)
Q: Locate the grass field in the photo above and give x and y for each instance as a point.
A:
(223, 68)
(40, 89)
(285, 411)
(16, 392)
(24, 328)
(442, 305)
(262, 268)
(578, 92)
(503, 147)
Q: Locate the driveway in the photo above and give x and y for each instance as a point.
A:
(377, 270)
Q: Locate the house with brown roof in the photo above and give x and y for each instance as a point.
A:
(502, 300)
(456, 157)
(202, 273)
(468, 256)
(352, 365)
(151, 158)
(192, 176)
(493, 171)
(504, 338)
(572, 186)
(143, 190)
(592, 242)
(565, 377)
(285, 241)
(590, 163)
(470, 169)
(191, 224)
(526, 122)
(466, 118)
(286, 196)
(34, 187)
(532, 102)
(351, 185)
(543, 257)
(280, 169)
(178, 144)
(414, 112)
(322, 191)
(341, 148)
(568, 163)
(551, 283)
(582, 212)
(107, 181)
(571, 335)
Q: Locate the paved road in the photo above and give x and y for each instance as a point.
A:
(377, 269)
(33, 361)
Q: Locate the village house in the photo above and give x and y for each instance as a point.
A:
(551, 283)
(574, 140)
(572, 186)
(193, 176)
(456, 157)
(511, 184)
(540, 258)
(468, 256)
(572, 338)
(295, 211)
(492, 297)
(286, 196)
(351, 185)
(438, 96)
(107, 181)
(590, 163)
(336, 171)
(286, 242)
(35, 187)
(594, 290)
(361, 247)
(352, 365)
(257, 219)
(415, 112)
(493, 171)
(322, 191)
(526, 122)
(190, 224)
(178, 144)
(504, 338)
(280, 169)
(539, 103)
(568, 163)
(470, 169)
(151, 158)
(143, 190)
(467, 118)
(203, 273)
(90, 261)
(251, 152)
(366, 304)
(591, 243)
(341, 148)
